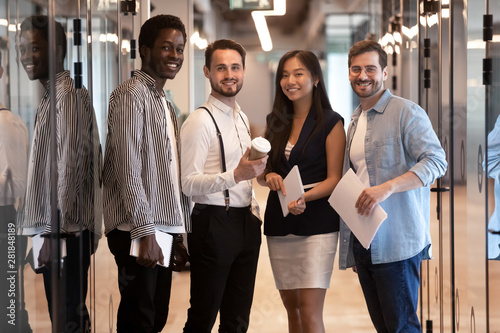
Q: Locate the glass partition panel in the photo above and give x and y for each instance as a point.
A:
(58, 68)
(475, 313)
(492, 166)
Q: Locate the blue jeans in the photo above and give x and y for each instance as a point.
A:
(390, 290)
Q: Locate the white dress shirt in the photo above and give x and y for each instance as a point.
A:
(14, 149)
(201, 169)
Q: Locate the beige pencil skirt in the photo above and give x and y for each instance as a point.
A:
(300, 262)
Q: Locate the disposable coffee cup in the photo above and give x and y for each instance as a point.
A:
(260, 148)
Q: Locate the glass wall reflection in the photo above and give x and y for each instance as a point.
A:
(50, 167)
(493, 173)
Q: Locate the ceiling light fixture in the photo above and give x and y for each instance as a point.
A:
(279, 9)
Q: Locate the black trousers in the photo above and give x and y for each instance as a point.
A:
(12, 261)
(73, 312)
(145, 292)
(224, 249)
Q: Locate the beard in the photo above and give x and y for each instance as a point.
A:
(376, 86)
(219, 88)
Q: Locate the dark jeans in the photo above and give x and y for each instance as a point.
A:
(145, 292)
(390, 290)
(224, 249)
(12, 260)
(74, 284)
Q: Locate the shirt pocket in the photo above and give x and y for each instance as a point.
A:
(388, 153)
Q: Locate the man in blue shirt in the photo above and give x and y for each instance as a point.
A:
(395, 152)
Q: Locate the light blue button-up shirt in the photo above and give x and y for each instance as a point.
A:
(399, 138)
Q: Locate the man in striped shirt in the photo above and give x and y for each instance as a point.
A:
(79, 160)
(141, 177)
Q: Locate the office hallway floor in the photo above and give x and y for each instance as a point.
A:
(344, 311)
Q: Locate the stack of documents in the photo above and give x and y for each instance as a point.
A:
(163, 239)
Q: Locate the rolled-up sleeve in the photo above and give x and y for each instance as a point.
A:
(423, 145)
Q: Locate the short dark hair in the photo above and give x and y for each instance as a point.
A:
(224, 44)
(368, 46)
(151, 29)
(41, 23)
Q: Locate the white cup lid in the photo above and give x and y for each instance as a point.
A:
(261, 144)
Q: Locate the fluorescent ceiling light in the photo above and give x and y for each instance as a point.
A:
(196, 39)
(263, 31)
(261, 24)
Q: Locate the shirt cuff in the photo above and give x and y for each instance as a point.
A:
(143, 230)
(230, 182)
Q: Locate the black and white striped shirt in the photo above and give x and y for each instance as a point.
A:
(138, 186)
(79, 163)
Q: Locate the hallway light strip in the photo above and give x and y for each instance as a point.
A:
(261, 24)
(262, 30)
(11, 27)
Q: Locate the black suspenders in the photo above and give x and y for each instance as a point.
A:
(222, 154)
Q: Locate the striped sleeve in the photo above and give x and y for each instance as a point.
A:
(127, 120)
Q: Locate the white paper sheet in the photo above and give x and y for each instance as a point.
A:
(163, 239)
(344, 198)
(293, 188)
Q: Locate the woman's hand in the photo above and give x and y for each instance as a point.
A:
(275, 182)
(297, 207)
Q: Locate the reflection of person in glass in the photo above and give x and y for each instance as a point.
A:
(141, 177)
(78, 171)
(493, 169)
(14, 147)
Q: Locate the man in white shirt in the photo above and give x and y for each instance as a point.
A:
(14, 148)
(225, 239)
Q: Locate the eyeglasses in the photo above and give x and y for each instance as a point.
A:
(369, 70)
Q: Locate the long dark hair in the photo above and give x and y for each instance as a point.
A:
(279, 125)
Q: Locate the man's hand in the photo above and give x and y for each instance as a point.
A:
(45, 253)
(149, 252)
(247, 170)
(372, 196)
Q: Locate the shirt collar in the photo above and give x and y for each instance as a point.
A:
(378, 107)
(145, 78)
(383, 101)
(60, 76)
(223, 107)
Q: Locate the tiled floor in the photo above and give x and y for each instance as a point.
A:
(345, 310)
